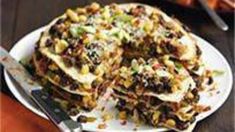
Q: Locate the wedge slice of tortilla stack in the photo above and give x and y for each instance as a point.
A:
(154, 83)
(74, 56)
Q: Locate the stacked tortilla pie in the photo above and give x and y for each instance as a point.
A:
(153, 60)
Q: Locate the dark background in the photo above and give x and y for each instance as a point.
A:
(19, 17)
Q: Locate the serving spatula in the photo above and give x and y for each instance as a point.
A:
(41, 98)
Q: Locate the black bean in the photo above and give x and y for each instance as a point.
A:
(167, 87)
(73, 111)
(60, 21)
(152, 50)
(198, 51)
(182, 125)
(166, 109)
(194, 91)
(169, 35)
(210, 81)
(94, 57)
(159, 88)
(170, 48)
(166, 84)
(49, 42)
(38, 55)
(179, 34)
(162, 117)
(54, 31)
(63, 81)
(73, 87)
(195, 68)
(154, 101)
(122, 102)
(68, 61)
(82, 119)
(76, 97)
(139, 10)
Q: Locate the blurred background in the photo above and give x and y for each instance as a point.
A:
(19, 17)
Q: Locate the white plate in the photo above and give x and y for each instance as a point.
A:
(213, 58)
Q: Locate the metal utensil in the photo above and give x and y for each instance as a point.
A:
(214, 16)
(41, 98)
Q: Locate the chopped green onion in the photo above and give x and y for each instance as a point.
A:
(123, 18)
(89, 29)
(217, 73)
(77, 31)
(178, 65)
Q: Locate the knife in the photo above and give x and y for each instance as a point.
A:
(41, 98)
(214, 16)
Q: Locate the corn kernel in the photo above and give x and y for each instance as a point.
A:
(85, 69)
(44, 81)
(53, 67)
(99, 71)
(99, 79)
(107, 117)
(127, 83)
(148, 26)
(86, 86)
(135, 117)
(156, 116)
(100, 36)
(94, 6)
(102, 126)
(170, 122)
(190, 95)
(174, 88)
(86, 40)
(56, 78)
(91, 119)
(81, 10)
(72, 15)
(92, 103)
(118, 11)
(122, 115)
(85, 99)
(82, 18)
(60, 45)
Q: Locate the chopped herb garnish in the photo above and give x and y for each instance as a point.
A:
(217, 73)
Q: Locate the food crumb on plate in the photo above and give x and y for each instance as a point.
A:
(85, 119)
(123, 122)
(107, 117)
(102, 108)
(122, 115)
(102, 126)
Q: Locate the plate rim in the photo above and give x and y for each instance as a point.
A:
(18, 96)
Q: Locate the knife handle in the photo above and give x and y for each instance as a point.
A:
(54, 112)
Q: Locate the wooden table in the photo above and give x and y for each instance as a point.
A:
(15, 116)
(20, 17)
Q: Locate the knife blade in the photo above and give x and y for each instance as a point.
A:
(41, 98)
(214, 16)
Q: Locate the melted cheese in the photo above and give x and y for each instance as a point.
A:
(190, 51)
(71, 71)
(178, 95)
